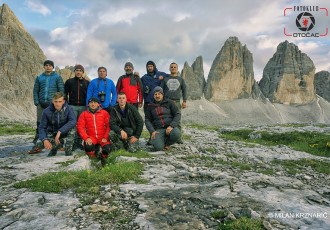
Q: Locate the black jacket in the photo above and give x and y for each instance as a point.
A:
(134, 117)
(161, 115)
(75, 90)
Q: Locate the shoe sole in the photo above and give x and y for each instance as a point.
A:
(34, 151)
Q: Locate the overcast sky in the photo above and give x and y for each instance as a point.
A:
(109, 33)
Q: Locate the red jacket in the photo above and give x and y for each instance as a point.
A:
(131, 85)
(94, 126)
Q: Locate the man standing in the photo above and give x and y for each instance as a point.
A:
(150, 80)
(104, 89)
(45, 86)
(93, 127)
(126, 123)
(175, 87)
(131, 85)
(57, 122)
(75, 89)
(162, 118)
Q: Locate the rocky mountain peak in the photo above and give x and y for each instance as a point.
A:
(194, 78)
(8, 18)
(231, 75)
(288, 77)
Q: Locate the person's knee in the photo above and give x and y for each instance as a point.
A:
(158, 146)
(89, 148)
(106, 149)
(175, 134)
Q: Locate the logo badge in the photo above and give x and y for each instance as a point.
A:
(307, 24)
(305, 21)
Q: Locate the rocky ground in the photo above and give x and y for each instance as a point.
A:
(186, 186)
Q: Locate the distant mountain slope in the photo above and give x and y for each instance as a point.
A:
(21, 60)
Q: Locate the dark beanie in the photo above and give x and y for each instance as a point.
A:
(78, 66)
(158, 89)
(95, 99)
(49, 62)
(129, 64)
(151, 63)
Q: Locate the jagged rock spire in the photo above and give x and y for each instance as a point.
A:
(288, 76)
(231, 75)
(194, 78)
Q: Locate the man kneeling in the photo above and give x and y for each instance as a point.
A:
(56, 124)
(162, 118)
(126, 124)
(93, 127)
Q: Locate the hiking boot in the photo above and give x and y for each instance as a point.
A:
(35, 139)
(52, 152)
(129, 147)
(149, 142)
(34, 150)
(103, 161)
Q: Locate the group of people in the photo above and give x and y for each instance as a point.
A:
(98, 115)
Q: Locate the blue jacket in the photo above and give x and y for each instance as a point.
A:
(149, 82)
(106, 85)
(45, 86)
(53, 120)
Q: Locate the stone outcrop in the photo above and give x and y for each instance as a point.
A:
(68, 72)
(288, 77)
(21, 60)
(194, 78)
(231, 75)
(322, 84)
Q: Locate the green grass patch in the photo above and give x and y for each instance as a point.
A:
(310, 142)
(66, 163)
(88, 181)
(242, 166)
(186, 137)
(122, 152)
(202, 127)
(232, 155)
(242, 223)
(145, 134)
(266, 171)
(11, 128)
(296, 166)
(211, 149)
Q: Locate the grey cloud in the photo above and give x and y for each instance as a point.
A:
(154, 34)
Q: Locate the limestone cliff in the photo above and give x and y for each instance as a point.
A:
(231, 75)
(194, 78)
(21, 60)
(288, 77)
